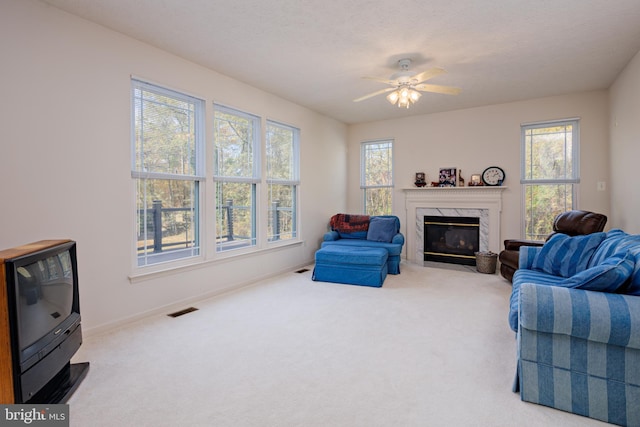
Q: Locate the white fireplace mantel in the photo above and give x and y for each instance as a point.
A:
(482, 198)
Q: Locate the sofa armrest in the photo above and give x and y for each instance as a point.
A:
(515, 244)
(330, 236)
(595, 316)
(398, 239)
(527, 255)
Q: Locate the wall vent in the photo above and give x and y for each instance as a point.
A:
(181, 312)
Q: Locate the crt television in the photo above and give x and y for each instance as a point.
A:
(44, 320)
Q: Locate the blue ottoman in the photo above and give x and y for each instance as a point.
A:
(351, 265)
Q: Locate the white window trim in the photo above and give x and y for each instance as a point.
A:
(295, 182)
(575, 147)
(208, 254)
(200, 177)
(255, 179)
(574, 180)
(363, 185)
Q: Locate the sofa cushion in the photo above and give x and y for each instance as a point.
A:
(614, 241)
(595, 316)
(351, 255)
(394, 249)
(609, 276)
(564, 255)
(381, 229)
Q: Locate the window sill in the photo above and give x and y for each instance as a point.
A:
(142, 276)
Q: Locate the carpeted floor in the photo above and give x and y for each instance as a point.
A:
(430, 348)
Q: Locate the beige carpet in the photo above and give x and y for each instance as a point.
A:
(430, 348)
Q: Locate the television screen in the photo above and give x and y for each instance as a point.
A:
(44, 295)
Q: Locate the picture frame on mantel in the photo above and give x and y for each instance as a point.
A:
(448, 177)
(475, 180)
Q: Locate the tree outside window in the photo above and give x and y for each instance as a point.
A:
(255, 199)
(282, 180)
(236, 175)
(166, 166)
(376, 181)
(549, 174)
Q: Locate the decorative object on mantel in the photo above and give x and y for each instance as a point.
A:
(447, 177)
(460, 178)
(420, 179)
(486, 262)
(475, 180)
(493, 175)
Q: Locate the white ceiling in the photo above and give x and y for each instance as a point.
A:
(315, 53)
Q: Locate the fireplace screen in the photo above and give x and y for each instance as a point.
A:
(451, 239)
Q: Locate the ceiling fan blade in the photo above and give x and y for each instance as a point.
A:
(371, 95)
(429, 74)
(381, 80)
(447, 90)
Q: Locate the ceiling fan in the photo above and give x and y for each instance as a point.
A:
(406, 85)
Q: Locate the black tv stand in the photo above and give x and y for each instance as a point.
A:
(62, 386)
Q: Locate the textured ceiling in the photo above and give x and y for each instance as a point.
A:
(315, 53)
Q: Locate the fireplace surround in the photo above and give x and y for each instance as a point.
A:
(451, 239)
(484, 203)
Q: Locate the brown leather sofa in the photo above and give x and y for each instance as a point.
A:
(573, 223)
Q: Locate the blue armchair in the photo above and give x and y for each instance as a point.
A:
(383, 232)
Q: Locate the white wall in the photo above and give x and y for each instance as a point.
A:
(65, 161)
(475, 138)
(625, 148)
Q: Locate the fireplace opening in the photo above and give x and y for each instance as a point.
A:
(451, 239)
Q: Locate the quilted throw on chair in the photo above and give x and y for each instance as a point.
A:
(345, 223)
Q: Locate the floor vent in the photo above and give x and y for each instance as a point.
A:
(302, 270)
(181, 312)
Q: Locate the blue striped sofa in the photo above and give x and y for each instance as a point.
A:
(578, 339)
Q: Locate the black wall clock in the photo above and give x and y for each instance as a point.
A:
(493, 175)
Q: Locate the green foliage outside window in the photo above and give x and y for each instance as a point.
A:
(377, 177)
(282, 178)
(550, 172)
(235, 139)
(166, 171)
(378, 201)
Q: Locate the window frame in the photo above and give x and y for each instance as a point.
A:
(198, 178)
(255, 180)
(293, 180)
(363, 173)
(198, 163)
(572, 179)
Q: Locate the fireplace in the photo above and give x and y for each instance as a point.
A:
(478, 202)
(451, 239)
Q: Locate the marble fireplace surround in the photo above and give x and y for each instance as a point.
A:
(480, 202)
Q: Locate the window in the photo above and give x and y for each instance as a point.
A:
(167, 170)
(376, 177)
(549, 173)
(186, 195)
(236, 175)
(282, 180)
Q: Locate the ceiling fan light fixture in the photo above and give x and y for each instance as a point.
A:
(406, 85)
(393, 97)
(404, 96)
